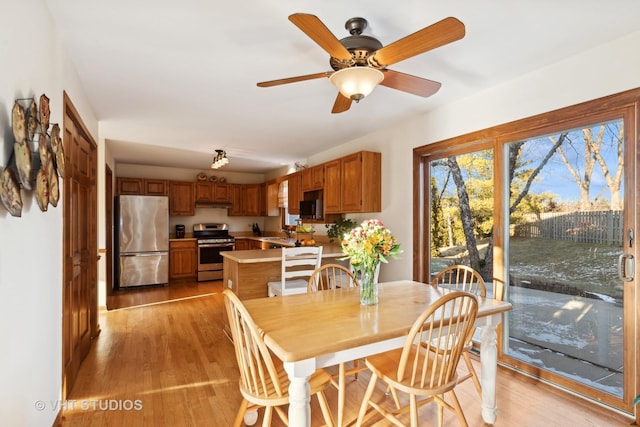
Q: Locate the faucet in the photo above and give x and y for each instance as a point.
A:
(287, 231)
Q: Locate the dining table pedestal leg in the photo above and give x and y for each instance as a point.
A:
(489, 367)
(299, 399)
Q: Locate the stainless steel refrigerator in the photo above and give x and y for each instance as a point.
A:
(142, 240)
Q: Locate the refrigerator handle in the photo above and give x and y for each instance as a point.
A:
(141, 254)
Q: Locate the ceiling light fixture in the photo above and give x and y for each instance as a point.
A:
(219, 160)
(356, 82)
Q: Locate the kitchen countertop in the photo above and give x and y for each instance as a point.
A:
(275, 239)
(279, 240)
(271, 255)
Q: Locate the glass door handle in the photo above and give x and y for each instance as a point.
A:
(626, 267)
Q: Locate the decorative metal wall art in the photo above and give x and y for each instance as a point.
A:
(30, 126)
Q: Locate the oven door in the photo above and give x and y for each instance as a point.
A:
(210, 260)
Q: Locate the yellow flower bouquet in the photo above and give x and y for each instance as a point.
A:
(366, 247)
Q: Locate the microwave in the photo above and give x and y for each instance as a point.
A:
(311, 209)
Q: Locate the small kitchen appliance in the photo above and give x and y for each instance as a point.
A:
(180, 231)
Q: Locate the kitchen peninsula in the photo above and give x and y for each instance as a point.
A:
(247, 272)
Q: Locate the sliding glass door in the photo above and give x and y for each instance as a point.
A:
(568, 226)
(546, 209)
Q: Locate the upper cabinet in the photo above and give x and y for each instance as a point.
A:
(272, 188)
(353, 184)
(212, 192)
(350, 184)
(251, 199)
(313, 178)
(333, 183)
(142, 186)
(156, 187)
(182, 198)
(246, 200)
(294, 192)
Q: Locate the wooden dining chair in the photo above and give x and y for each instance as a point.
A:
(263, 380)
(426, 365)
(331, 276)
(298, 263)
(463, 278)
(335, 276)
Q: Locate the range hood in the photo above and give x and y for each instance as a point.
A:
(213, 205)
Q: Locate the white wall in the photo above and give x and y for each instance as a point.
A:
(33, 63)
(604, 70)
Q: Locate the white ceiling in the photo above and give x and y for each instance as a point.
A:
(171, 81)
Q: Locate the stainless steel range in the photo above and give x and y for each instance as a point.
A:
(213, 239)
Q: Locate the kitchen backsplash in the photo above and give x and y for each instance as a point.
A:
(236, 223)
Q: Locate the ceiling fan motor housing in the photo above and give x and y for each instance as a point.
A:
(360, 46)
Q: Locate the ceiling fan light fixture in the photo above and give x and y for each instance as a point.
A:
(356, 82)
(219, 160)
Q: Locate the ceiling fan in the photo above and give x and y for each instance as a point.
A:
(360, 62)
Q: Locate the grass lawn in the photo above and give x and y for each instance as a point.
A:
(554, 265)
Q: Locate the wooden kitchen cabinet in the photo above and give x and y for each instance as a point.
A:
(294, 192)
(271, 199)
(156, 187)
(263, 199)
(313, 178)
(141, 186)
(332, 183)
(235, 191)
(245, 200)
(251, 198)
(212, 192)
(182, 197)
(243, 244)
(204, 192)
(133, 186)
(353, 184)
(183, 259)
(221, 192)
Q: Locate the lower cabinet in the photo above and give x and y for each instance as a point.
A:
(243, 244)
(183, 259)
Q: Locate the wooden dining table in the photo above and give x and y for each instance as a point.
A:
(320, 329)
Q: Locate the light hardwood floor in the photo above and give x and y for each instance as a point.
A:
(168, 363)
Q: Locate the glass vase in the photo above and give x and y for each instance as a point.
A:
(368, 285)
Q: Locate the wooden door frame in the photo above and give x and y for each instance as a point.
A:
(69, 110)
(108, 219)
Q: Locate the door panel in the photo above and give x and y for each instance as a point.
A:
(80, 317)
(563, 256)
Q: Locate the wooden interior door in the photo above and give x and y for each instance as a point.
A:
(80, 249)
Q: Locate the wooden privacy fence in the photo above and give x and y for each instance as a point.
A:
(600, 227)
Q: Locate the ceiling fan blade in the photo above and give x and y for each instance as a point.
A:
(295, 79)
(446, 31)
(319, 33)
(410, 84)
(342, 104)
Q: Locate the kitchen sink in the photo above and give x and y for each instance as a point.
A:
(276, 242)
